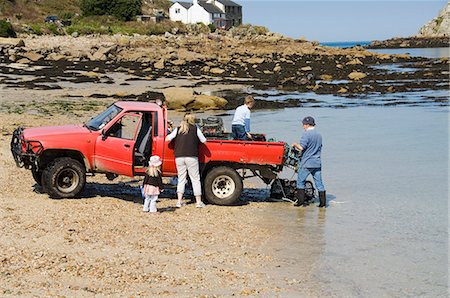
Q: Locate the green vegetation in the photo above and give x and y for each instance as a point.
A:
(212, 28)
(124, 10)
(6, 29)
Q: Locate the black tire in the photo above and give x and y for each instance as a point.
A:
(63, 178)
(37, 175)
(309, 191)
(223, 186)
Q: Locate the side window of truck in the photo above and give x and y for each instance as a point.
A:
(126, 127)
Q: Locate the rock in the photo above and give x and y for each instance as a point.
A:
(101, 53)
(340, 66)
(255, 60)
(55, 57)
(216, 70)
(207, 102)
(355, 61)
(75, 34)
(326, 77)
(342, 90)
(356, 75)
(159, 64)
(277, 68)
(33, 56)
(437, 26)
(306, 68)
(23, 61)
(177, 97)
(178, 62)
(91, 74)
(267, 72)
(15, 42)
(391, 89)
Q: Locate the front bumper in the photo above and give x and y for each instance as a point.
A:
(25, 152)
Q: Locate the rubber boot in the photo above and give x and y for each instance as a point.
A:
(322, 199)
(300, 196)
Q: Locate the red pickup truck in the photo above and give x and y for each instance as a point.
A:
(120, 140)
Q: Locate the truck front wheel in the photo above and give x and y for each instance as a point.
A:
(223, 186)
(37, 175)
(63, 178)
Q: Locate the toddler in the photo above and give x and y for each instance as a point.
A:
(152, 184)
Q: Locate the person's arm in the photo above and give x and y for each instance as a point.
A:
(200, 136)
(298, 146)
(303, 143)
(172, 135)
(247, 124)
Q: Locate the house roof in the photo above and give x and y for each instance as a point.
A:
(184, 4)
(228, 3)
(211, 8)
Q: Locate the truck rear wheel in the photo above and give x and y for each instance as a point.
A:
(63, 178)
(223, 186)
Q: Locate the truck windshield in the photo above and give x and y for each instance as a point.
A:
(98, 122)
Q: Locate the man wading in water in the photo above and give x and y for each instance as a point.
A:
(311, 147)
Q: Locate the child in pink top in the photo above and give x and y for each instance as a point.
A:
(152, 184)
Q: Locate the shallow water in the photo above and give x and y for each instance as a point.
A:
(385, 230)
(416, 52)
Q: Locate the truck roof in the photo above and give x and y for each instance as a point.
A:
(137, 105)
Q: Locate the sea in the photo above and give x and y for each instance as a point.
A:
(415, 52)
(386, 172)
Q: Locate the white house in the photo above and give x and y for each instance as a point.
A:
(178, 12)
(207, 12)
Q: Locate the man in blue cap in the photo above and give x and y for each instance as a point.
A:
(310, 164)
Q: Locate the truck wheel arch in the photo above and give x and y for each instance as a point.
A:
(47, 156)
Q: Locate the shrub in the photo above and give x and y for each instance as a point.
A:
(121, 9)
(212, 28)
(6, 29)
(36, 29)
(53, 28)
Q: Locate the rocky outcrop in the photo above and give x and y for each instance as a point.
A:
(411, 42)
(439, 26)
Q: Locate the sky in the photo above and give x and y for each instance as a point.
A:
(335, 21)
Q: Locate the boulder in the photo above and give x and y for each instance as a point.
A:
(33, 56)
(55, 57)
(216, 70)
(178, 97)
(326, 77)
(306, 68)
(15, 42)
(356, 75)
(207, 102)
(159, 64)
(342, 90)
(255, 60)
(277, 68)
(178, 62)
(355, 61)
(23, 61)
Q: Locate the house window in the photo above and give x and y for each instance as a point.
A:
(177, 10)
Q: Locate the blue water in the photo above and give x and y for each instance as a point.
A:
(346, 44)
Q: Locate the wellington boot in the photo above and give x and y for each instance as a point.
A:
(322, 199)
(300, 196)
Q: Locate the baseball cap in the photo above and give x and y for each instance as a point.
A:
(309, 120)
